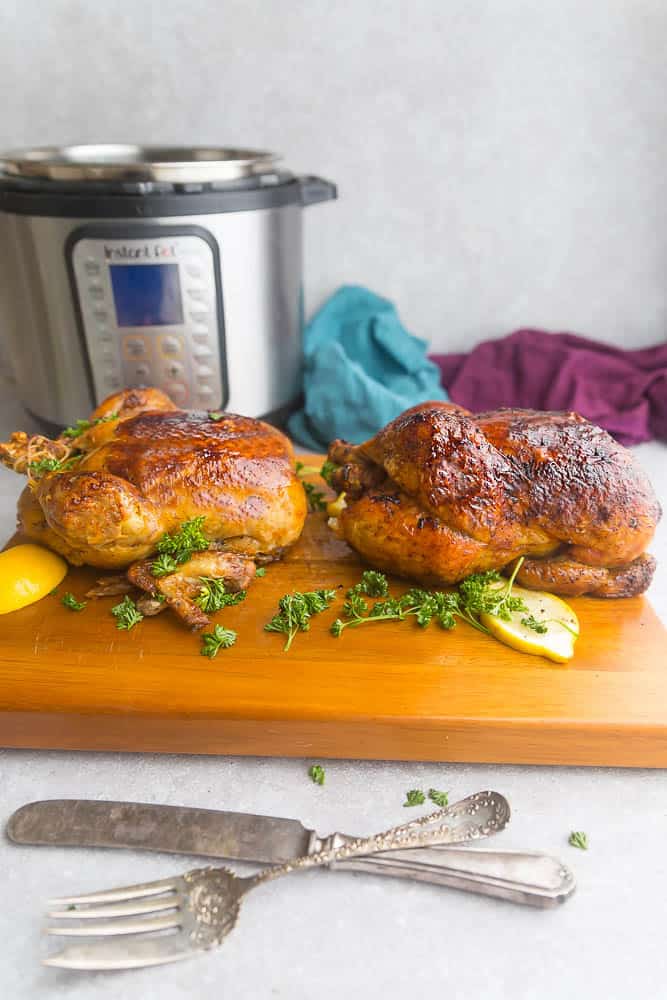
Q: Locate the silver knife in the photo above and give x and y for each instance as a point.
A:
(520, 876)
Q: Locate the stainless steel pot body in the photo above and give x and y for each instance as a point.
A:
(260, 259)
(88, 234)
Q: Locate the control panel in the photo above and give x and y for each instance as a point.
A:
(150, 308)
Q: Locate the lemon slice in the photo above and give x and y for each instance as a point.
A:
(27, 574)
(548, 612)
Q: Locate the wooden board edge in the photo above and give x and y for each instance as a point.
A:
(553, 744)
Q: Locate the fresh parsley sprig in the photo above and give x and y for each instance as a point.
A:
(415, 797)
(43, 465)
(213, 597)
(316, 774)
(295, 611)
(127, 614)
(327, 471)
(315, 497)
(70, 601)
(441, 799)
(578, 839)
(82, 426)
(179, 546)
(213, 642)
(480, 593)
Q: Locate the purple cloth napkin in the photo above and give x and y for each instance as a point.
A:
(623, 391)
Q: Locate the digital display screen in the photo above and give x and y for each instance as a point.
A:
(146, 294)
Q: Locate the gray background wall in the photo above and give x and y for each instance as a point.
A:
(500, 162)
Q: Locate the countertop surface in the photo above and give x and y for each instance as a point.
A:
(331, 935)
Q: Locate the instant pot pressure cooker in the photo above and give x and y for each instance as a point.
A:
(127, 265)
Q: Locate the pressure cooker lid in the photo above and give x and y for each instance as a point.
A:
(112, 162)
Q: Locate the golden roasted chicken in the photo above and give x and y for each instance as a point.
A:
(440, 493)
(106, 492)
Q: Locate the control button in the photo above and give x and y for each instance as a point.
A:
(140, 372)
(135, 347)
(198, 294)
(199, 317)
(193, 270)
(104, 334)
(92, 267)
(112, 381)
(204, 395)
(177, 391)
(202, 355)
(96, 292)
(204, 372)
(100, 315)
(200, 336)
(171, 346)
(174, 370)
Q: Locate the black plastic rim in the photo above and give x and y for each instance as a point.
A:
(75, 202)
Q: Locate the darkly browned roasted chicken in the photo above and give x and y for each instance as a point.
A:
(439, 494)
(141, 469)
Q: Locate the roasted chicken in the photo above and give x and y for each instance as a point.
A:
(441, 493)
(107, 491)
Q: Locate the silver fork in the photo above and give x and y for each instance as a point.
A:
(193, 912)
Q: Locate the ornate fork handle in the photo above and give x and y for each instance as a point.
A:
(461, 823)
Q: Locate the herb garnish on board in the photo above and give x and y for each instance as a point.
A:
(481, 593)
(70, 601)
(213, 642)
(127, 614)
(295, 611)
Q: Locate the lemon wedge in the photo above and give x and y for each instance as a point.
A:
(337, 506)
(28, 573)
(555, 626)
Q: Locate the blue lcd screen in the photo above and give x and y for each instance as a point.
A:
(146, 294)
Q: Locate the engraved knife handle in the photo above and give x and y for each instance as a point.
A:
(525, 877)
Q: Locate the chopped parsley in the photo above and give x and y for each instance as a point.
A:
(179, 546)
(70, 601)
(213, 642)
(441, 799)
(327, 471)
(260, 571)
(84, 425)
(316, 499)
(164, 565)
(52, 465)
(480, 593)
(216, 415)
(295, 611)
(578, 839)
(530, 621)
(316, 774)
(415, 797)
(213, 596)
(127, 614)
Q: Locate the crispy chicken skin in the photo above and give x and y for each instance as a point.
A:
(440, 493)
(148, 468)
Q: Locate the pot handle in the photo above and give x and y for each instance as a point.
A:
(315, 189)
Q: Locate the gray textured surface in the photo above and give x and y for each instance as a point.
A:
(330, 936)
(500, 162)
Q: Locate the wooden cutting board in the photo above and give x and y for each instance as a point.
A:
(392, 691)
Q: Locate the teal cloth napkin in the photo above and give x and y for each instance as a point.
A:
(361, 369)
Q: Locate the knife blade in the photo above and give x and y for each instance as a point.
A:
(174, 829)
(520, 876)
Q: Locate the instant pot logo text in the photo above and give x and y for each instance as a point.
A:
(149, 251)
